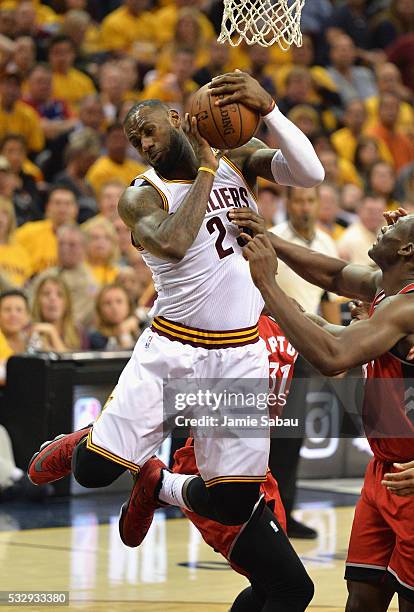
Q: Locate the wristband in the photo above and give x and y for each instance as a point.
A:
(269, 110)
(205, 169)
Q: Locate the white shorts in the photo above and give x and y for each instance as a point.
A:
(133, 425)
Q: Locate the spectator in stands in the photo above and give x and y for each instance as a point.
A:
(351, 199)
(401, 54)
(69, 84)
(389, 81)
(113, 89)
(7, 22)
(351, 18)
(306, 118)
(128, 27)
(71, 268)
(26, 178)
(110, 195)
(187, 35)
(17, 117)
(338, 170)
(126, 249)
(78, 25)
(81, 152)
(168, 16)
(324, 88)
(260, 68)
(15, 319)
(218, 59)
(91, 114)
(115, 164)
(116, 327)
(405, 184)
(345, 139)
(38, 238)
(270, 206)
(386, 131)
(381, 182)
(329, 210)
(53, 326)
(394, 21)
(367, 152)
(15, 266)
(176, 86)
(101, 250)
(24, 56)
(56, 117)
(352, 81)
(359, 237)
(133, 283)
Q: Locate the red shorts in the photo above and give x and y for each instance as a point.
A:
(381, 546)
(222, 537)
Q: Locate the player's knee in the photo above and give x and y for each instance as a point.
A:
(234, 502)
(93, 471)
(306, 591)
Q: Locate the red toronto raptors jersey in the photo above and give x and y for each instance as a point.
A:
(388, 420)
(282, 357)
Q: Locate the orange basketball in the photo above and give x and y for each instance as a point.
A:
(224, 127)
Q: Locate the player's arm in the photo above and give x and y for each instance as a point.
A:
(163, 235)
(356, 345)
(295, 163)
(329, 273)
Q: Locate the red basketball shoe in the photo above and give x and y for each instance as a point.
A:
(53, 461)
(137, 513)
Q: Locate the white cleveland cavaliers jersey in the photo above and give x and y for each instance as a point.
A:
(211, 287)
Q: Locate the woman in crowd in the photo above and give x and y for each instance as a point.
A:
(15, 267)
(102, 250)
(15, 319)
(53, 327)
(116, 327)
(367, 153)
(382, 181)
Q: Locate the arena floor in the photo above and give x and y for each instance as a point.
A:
(73, 545)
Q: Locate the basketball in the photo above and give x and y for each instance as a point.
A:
(224, 127)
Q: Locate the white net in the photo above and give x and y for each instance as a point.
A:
(262, 22)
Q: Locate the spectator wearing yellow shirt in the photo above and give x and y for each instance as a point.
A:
(24, 56)
(16, 116)
(305, 56)
(115, 164)
(15, 266)
(113, 88)
(131, 29)
(69, 84)
(177, 86)
(101, 250)
(389, 81)
(345, 140)
(338, 170)
(167, 19)
(44, 14)
(187, 34)
(38, 238)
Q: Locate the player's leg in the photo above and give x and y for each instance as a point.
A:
(264, 551)
(249, 600)
(371, 546)
(92, 470)
(363, 596)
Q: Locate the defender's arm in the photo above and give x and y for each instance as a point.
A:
(356, 345)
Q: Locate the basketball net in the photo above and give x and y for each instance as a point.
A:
(262, 22)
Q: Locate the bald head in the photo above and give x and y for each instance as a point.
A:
(152, 104)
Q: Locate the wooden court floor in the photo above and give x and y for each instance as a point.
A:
(173, 571)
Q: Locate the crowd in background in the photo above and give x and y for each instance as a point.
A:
(69, 72)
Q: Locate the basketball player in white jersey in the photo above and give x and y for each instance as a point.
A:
(205, 323)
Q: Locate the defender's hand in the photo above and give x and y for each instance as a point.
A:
(239, 86)
(359, 310)
(202, 149)
(245, 218)
(262, 260)
(400, 483)
(393, 216)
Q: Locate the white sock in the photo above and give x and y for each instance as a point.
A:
(172, 489)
